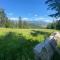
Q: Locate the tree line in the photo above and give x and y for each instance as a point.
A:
(8, 23)
(54, 25)
(5, 22)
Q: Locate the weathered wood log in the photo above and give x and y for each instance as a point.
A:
(45, 50)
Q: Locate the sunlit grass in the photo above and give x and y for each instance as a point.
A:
(26, 32)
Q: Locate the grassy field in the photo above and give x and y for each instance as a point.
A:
(27, 32)
(17, 44)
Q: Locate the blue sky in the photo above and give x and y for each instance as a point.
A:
(27, 9)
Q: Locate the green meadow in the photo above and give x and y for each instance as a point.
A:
(34, 34)
(18, 44)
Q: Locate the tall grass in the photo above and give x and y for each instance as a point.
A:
(18, 44)
(16, 47)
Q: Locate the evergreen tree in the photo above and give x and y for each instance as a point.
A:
(54, 5)
(3, 18)
(20, 23)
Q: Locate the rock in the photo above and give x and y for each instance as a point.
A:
(45, 50)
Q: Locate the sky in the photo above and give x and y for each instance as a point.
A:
(27, 9)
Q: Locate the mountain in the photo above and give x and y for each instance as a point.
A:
(37, 24)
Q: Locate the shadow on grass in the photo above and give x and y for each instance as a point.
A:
(15, 47)
(35, 33)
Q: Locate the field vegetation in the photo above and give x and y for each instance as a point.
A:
(18, 44)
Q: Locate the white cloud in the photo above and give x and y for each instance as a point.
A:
(35, 15)
(25, 18)
(16, 18)
(13, 18)
(39, 18)
(47, 19)
(9, 14)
